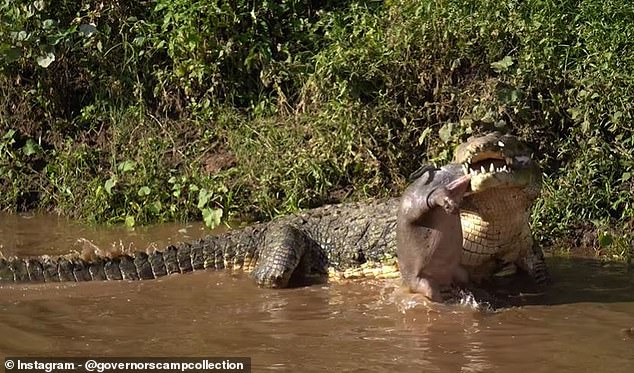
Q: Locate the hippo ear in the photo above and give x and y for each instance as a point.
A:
(420, 172)
(460, 185)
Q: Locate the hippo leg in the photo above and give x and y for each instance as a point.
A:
(427, 288)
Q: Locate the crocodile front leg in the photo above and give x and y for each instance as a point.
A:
(532, 262)
(282, 255)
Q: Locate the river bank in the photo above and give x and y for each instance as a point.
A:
(197, 110)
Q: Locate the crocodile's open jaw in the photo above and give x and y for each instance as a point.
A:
(486, 163)
(497, 161)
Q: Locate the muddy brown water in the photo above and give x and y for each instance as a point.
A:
(581, 325)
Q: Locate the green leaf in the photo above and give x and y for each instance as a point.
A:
(203, 197)
(424, 135)
(126, 166)
(176, 190)
(212, 217)
(605, 239)
(110, 183)
(129, 221)
(10, 54)
(445, 132)
(503, 64)
(575, 112)
(45, 60)
(48, 23)
(39, 4)
(9, 136)
(509, 96)
(144, 191)
(30, 148)
(156, 207)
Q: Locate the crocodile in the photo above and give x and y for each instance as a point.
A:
(495, 214)
(312, 244)
(302, 246)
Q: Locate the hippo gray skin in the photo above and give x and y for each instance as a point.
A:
(429, 234)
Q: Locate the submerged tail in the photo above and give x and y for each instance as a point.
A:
(209, 252)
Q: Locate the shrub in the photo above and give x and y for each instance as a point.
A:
(162, 110)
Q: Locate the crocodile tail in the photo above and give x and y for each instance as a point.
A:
(211, 252)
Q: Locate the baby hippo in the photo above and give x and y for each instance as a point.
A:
(428, 233)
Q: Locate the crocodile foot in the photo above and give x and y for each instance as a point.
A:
(280, 256)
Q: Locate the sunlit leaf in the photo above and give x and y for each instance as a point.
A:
(203, 197)
(424, 135)
(503, 64)
(45, 60)
(39, 4)
(212, 217)
(30, 148)
(9, 134)
(445, 132)
(129, 221)
(110, 183)
(144, 191)
(156, 207)
(126, 166)
(48, 23)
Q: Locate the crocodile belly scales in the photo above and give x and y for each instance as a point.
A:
(499, 230)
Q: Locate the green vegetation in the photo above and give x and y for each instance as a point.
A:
(159, 110)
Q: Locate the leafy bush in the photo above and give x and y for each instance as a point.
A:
(161, 110)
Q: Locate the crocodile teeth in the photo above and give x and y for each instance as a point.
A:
(500, 144)
(474, 172)
(492, 168)
(482, 169)
(465, 168)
